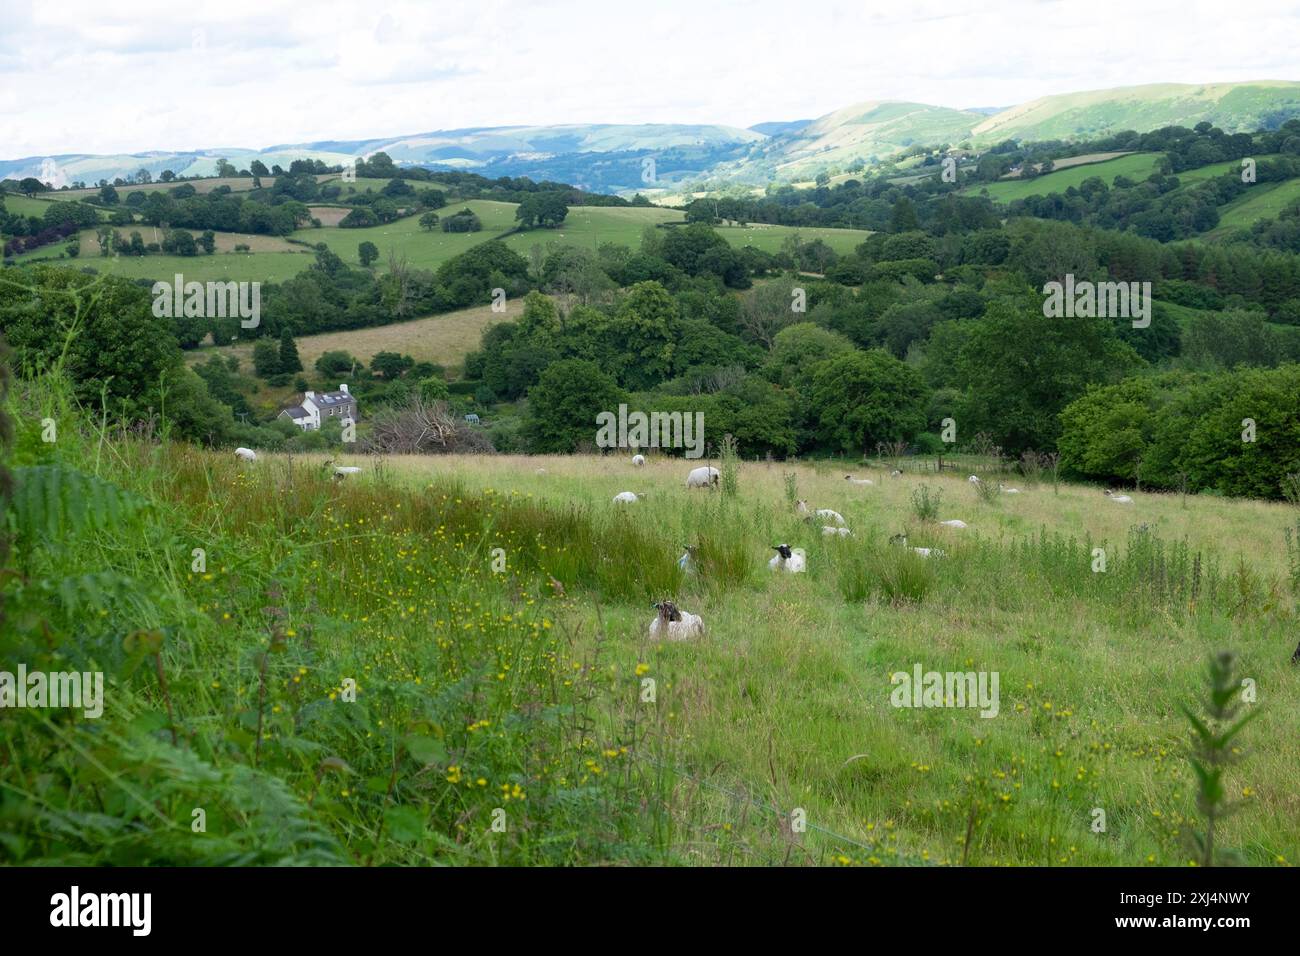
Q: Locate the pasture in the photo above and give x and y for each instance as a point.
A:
(1136, 166)
(1261, 201)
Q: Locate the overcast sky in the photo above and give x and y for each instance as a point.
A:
(96, 77)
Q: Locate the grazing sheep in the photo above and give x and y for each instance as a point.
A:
(802, 507)
(975, 480)
(687, 561)
(343, 471)
(706, 477)
(1118, 499)
(245, 454)
(627, 497)
(953, 523)
(674, 624)
(858, 481)
(895, 474)
(638, 460)
(1008, 491)
(828, 531)
(792, 560)
(901, 541)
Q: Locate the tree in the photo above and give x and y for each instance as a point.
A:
(863, 398)
(337, 363)
(266, 358)
(428, 221)
(563, 405)
(258, 168)
(108, 196)
(289, 361)
(390, 365)
(903, 218)
(367, 252)
(542, 209)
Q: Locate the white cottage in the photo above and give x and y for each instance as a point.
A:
(318, 407)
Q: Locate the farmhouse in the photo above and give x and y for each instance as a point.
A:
(318, 407)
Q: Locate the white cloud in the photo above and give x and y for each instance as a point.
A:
(81, 76)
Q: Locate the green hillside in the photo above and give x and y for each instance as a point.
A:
(1137, 166)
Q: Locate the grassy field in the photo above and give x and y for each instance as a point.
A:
(522, 682)
(442, 339)
(1261, 201)
(1136, 166)
(236, 266)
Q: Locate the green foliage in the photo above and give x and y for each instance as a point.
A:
(926, 502)
(863, 398)
(563, 405)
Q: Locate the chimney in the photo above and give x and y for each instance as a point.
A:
(307, 395)
(344, 389)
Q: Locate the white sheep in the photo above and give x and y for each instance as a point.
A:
(1118, 499)
(834, 516)
(953, 523)
(901, 540)
(858, 481)
(1008, 491)
(638, 460)
(705, 477)
(343, 471)
(975, 480)
(895, 474)
(245, 454)
(674, 624)
(791, 560)
(829, 531)
(627, 497)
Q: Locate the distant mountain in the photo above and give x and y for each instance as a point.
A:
(1233, 107)
(777, 129)
(613, 158)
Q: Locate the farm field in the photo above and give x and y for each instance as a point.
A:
(442, 339)
(770, 238)
(1136, 166)
(205, 185)
(1261, 201)
(784, 705)
(226, 266)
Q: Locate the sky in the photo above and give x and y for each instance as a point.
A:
(83, 76)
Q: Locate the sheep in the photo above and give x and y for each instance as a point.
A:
(706, 477)
(1008, 491)
(343, 471)
(975, 480)
(827, 513)
(687, 561)
(901, 541)
(674, 624)
(828, 531)
(858, 481)
(638, 460)
(792, 560)
(895, 474)
(627, 497)
(245, 454)
(953, 523)
(1118, 499)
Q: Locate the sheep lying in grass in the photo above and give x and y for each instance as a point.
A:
(674, 624)
(901, 541)
(953, 523)
(627, 497)
(705, 477)
(834, 516)
(829, 531)
(1118, 499)
(1008, 491)
(245, 454)
(791, 560)
(895, 474)
(342, 471)
(975, 480)
(638, 460)
(858, 481)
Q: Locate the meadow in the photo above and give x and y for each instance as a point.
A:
(355, 675)
(1136, 166)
